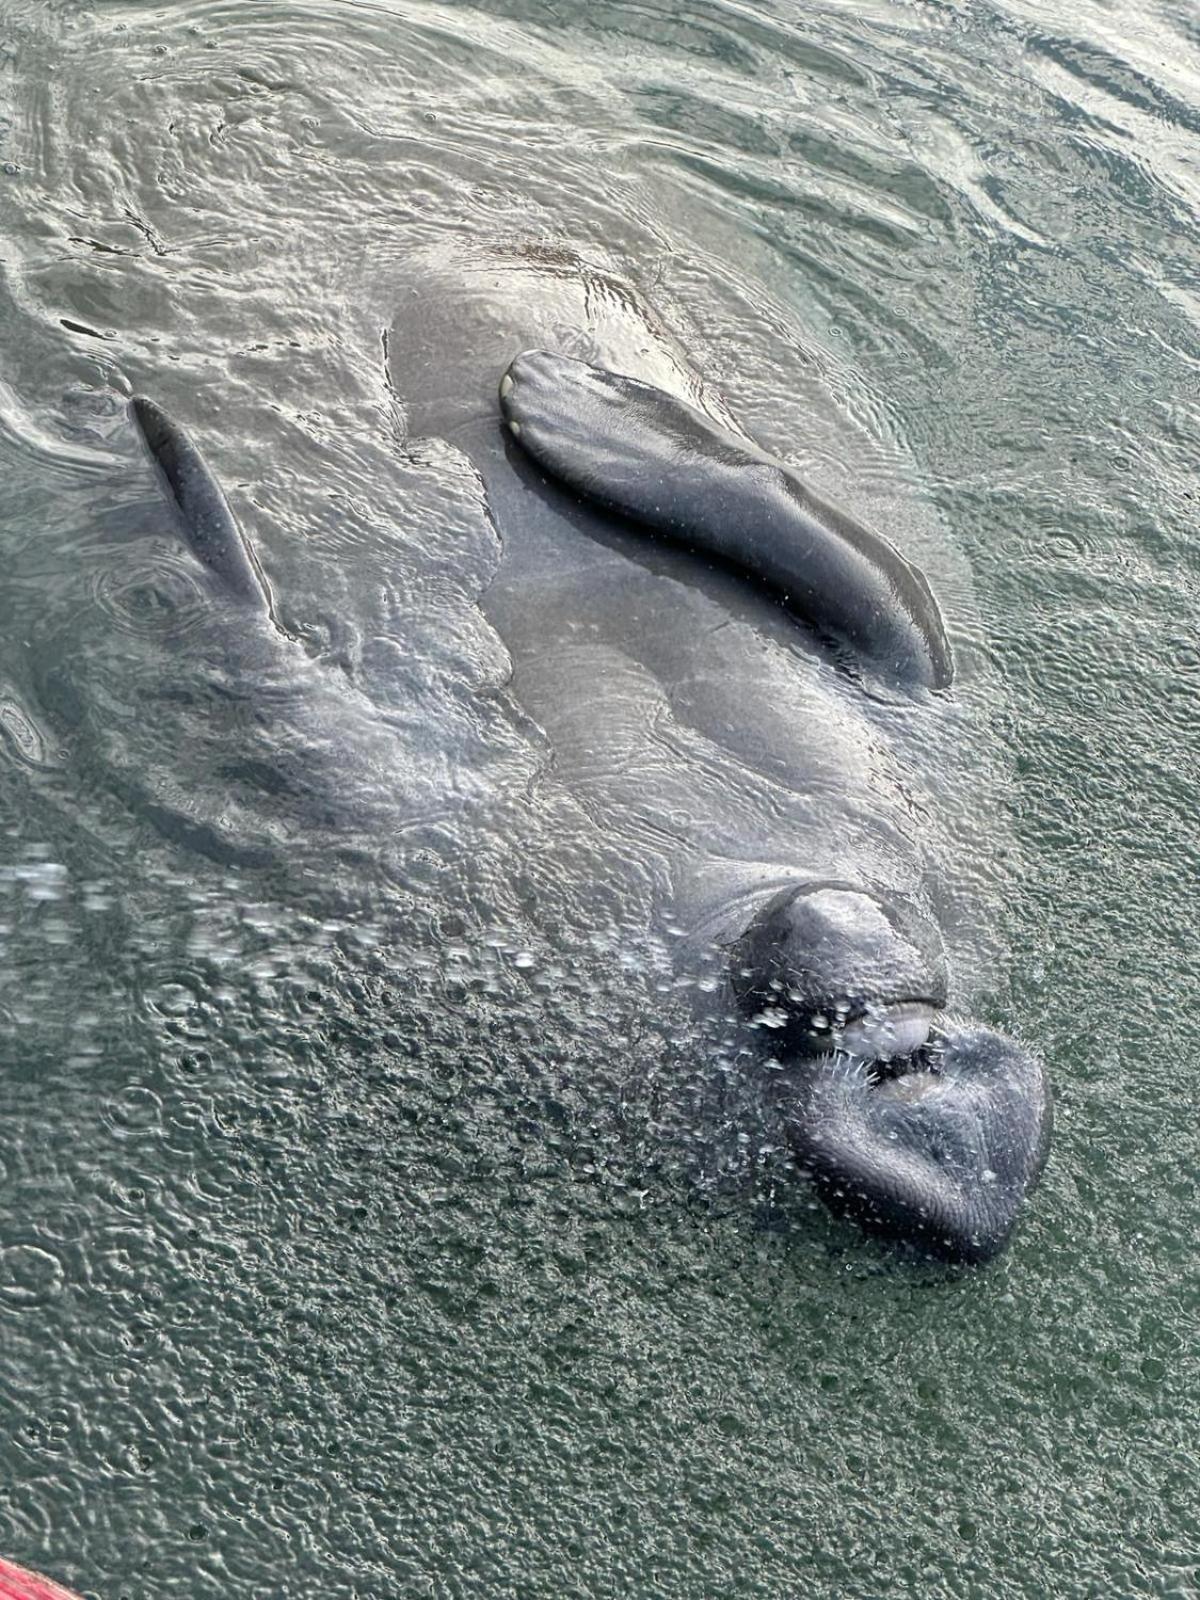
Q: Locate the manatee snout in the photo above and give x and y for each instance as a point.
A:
(940, 1152)
(918, 1126)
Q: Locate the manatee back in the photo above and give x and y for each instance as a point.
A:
(464, 311)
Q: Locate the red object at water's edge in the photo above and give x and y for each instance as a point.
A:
(17, 1584)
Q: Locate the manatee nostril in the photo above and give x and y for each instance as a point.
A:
(831, 963)
(888, 1032)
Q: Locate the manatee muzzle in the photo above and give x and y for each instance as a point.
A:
(917, 1125)
(941, 1150)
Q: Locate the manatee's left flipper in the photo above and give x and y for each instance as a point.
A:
(208, 524)
(942, 1154)
(643, 453)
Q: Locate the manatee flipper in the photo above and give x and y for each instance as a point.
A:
(646, 455)
(208, 524)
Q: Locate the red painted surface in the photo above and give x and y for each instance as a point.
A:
(17, 1584)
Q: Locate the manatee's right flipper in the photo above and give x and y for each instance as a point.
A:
(208, 524)
(640, 452)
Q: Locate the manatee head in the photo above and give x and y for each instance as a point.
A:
(917, 1124)
(832, 966)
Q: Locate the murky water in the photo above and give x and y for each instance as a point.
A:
(380, 1214)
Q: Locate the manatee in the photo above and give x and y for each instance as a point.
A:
(213, 535)
(744, 689)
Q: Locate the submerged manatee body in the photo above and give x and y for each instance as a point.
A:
(739, 685)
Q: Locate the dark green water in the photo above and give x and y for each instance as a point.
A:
(345, 1250)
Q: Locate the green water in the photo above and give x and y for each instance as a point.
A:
(344, 1253)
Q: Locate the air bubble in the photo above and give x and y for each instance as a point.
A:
(29, 1276)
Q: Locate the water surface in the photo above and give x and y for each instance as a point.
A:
(367, 1230)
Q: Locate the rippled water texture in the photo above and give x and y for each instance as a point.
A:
(377, 1217)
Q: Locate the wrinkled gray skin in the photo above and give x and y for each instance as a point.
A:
(737, 749)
